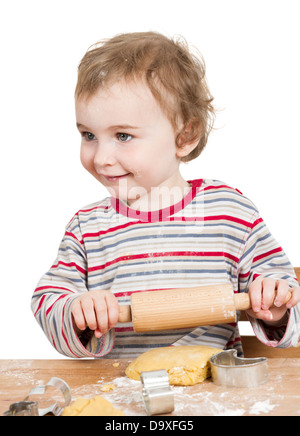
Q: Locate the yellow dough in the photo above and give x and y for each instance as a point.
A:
(186, 365)
(97, 406)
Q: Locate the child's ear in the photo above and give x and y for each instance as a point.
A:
(187, 141)
(186, 149)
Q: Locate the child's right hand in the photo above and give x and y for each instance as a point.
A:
(97, 310)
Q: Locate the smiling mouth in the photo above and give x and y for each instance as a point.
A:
(115, 178)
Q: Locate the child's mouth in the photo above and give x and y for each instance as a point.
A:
(115, 178)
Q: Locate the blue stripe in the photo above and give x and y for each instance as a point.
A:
(140, 239)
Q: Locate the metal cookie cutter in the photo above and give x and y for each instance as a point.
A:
(23, 408)
(30, 408)
(157, 395)
(229, 370)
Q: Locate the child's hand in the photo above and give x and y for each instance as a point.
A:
(97, 310)
(264, 291)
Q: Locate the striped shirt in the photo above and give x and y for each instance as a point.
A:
(214, 235)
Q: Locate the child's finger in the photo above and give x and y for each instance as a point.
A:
(87, 305)
(268, 293)
(295, 299)
(281, 292)
(255, 292)
(264, 315)
(97, 333)
(78, 316)
(113, 309)
(101, 315)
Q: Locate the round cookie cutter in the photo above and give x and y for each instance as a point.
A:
(229, 370)
(157, 394)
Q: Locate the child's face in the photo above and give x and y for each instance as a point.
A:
(128, 143)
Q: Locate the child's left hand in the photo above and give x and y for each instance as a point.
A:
(264, 291)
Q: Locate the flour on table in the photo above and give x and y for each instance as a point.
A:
(184, 399)
(262, 407)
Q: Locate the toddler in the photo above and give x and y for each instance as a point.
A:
(142, 107)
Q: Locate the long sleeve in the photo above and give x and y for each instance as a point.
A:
(263, 256)
(55, 292)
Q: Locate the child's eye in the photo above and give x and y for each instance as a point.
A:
(124, 137)
(88, 136)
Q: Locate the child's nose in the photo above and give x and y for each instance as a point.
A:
(104, 156)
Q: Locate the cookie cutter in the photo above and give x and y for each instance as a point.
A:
(23, 408)
(30, 408)
(229, 370)
(157, 394)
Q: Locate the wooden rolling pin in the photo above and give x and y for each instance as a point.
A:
(171, 309)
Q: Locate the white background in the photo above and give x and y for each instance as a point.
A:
(251, 50)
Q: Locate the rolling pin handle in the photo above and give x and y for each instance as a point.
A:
(242, 301)
(124, 314)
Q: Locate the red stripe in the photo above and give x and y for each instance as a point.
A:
(259, 220)
(83, 271)
(129, 293)
(211, 187)
(62, 331)
(228, 218)
(165, 254)
(245, 275)
(40, 304)
(112, 229)
(73, 236)
(255, 276)
(93, 208)
(41, 288)
(123, 329)
(50, 308)
(268, 253)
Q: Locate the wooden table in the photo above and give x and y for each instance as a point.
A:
(86, 378)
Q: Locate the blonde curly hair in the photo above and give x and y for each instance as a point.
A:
(168, 67)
